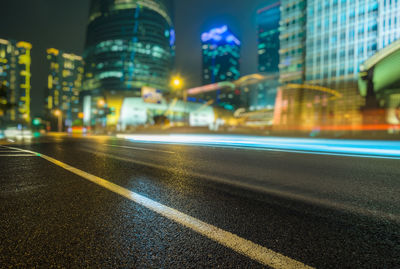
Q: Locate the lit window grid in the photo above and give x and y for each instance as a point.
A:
(15, 63)
(389, 22)
(292, 40)
(268, 41)
(64, 83)
(331, 69)
(220, 63)
(143, 60)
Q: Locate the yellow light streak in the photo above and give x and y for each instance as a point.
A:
(335, 94)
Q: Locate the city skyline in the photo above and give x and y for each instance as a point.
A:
(42, 24)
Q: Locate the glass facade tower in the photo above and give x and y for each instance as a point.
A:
(339, 35)
(389, 22)
(292, 40)
(221, 55)
(268, 19)
(15, 79)
(130, 44)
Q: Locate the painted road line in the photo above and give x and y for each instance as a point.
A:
(18, 155)
(238, 244)
(137, 148)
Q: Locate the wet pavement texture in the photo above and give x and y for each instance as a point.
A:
(324, 211)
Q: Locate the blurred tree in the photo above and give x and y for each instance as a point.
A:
(160, 120)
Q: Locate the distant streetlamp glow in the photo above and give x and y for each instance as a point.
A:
(59, 115)
(57, 112)
(177, 82)
(101, 103)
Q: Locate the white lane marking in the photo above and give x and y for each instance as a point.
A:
(137, 148)
(238, 244)
(18, 155)
(8, 151)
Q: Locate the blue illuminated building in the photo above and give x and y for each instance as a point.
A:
(221, 55)
(268, 38)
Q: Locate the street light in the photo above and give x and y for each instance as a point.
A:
(59, 115)
(101, 103)
(177, 84)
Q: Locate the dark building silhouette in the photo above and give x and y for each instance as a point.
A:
(268, 38)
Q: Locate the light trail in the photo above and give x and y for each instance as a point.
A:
(136, 148)
(353, 148)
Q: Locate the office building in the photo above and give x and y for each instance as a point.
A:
(15, 79)
(221, 55)
(268, 19)
(388, 22)
(130, 44)
(64, 85)
(292, 58)
(339, 36)
(292, 41)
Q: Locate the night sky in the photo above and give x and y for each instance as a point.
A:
(62, 24)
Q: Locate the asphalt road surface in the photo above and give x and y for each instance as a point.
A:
(112, 203)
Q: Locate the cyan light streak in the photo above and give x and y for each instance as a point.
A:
(353, 148)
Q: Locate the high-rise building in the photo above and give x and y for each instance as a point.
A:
(64, 85)
(339, 36)
(291, 60)
(221, 55)
(130, 44)
(388, 22)
(292, 41)
(268, 19)
(15, 78)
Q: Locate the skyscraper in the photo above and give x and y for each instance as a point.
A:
(268, 19)
(130, 44)
(339, 36)
(15, 78)
(292, 60)
(221, 55)
(388, 22)
(292, 41)
(64, 85)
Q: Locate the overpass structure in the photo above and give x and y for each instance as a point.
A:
(379, 83)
